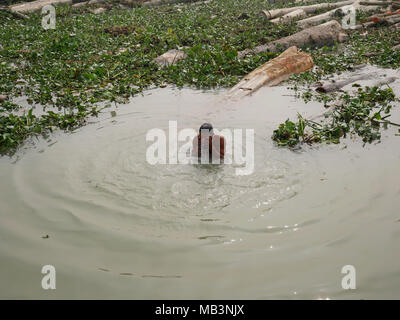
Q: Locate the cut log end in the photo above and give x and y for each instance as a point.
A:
(273, 72)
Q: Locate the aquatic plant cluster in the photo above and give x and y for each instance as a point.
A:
(91, 58)
(362, 114)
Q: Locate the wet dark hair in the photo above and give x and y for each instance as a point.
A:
(206, 126)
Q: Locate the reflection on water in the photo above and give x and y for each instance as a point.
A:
(121, 228)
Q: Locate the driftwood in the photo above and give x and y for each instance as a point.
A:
(395, 5)
(335, 86)
(273, 72)
(338, 12)
(153, 3)
(15, 13)
(382, 82)
(80, 4)
(36, 5)
(271, 14)
(393, 19)
(339, 104)
(363, 25)
(385, 14)
(170, 57)
(375, 3)
(325, 34)
(297, 14)
(308, 22)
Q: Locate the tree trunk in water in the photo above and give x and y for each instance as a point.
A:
(376, 3)
(339, 12)
(322, 35)
(299, 13)
(393, 19)
(271, 14)
(330, 87)
(36, 5)
(395, 5)
(273, 72)
(312, 21)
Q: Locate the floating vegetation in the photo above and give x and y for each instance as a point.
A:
(91, 58)
(362, 114)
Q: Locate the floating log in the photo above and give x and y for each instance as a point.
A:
(273, 72)
(296, 14)
(36, 5)
(384, 81)
(80, 4)
(375, 3)
(395, 5)
(393, 19)
(153, 3)
(271, 14)
(15, 13)
(363, 25)
(170, 57)
(308, 22)
(325, 34)
(335, 86)
(338, 12)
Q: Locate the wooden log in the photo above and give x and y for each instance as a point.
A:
(335, 86)
(170, 57)
(311, 21)
(375, 3)
(363, 25)
(384, 81)
(338, 12)
(15, 14)
(395, 5)
(153, 3)
(393, 19)
(273, 72)
(325, 34)
(339, 104)
(3, 98)
(36, 5)
(271, 14)
(380, 15)
(80, 4)
(297, 14)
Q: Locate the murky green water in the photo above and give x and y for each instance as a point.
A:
(121, 228)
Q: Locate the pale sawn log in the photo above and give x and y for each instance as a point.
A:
(325, 34)
(291, 61)
(297, 14)
(36, 5)
(271, 14)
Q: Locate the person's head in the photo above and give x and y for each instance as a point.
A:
(206, 128)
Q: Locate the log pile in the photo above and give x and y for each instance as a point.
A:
(322, 29)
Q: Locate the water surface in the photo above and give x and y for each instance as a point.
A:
(121, 228)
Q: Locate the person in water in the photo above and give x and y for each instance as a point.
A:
(206, 143)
